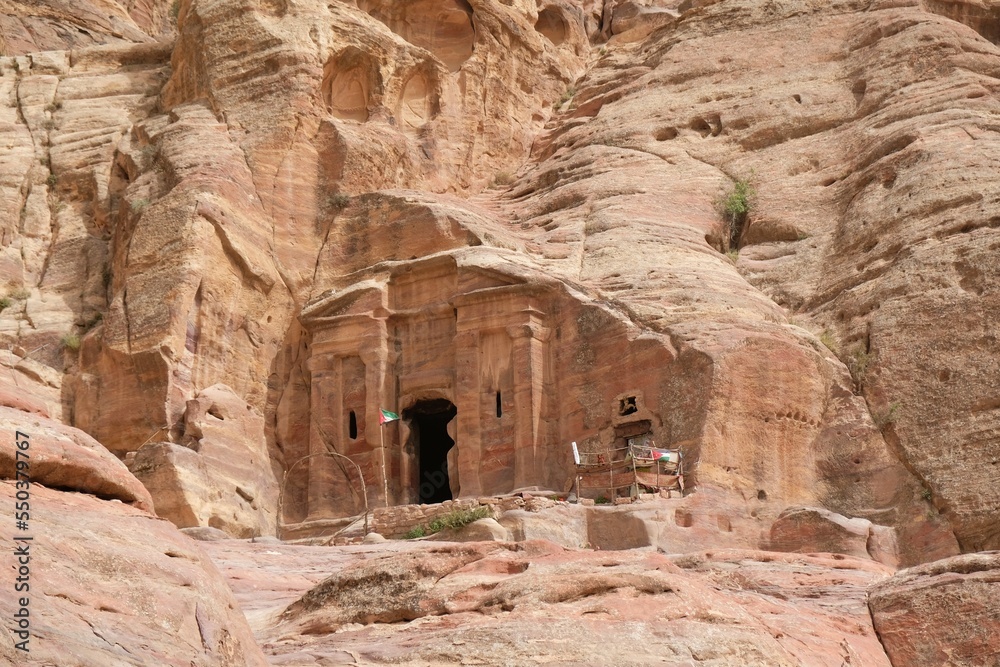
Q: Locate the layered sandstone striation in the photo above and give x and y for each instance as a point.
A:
(107, 581)
(221, 475)
(289, 200)
(942, 613)
(491, 603)
(30, 27)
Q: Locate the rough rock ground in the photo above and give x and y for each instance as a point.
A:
(109, 583)
(537, 603)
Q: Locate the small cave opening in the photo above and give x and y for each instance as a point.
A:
(428, 421)
(550, 23)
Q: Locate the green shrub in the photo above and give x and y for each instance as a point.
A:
(736, 205)
(459, 519)
(70, 342)
(52, 180)
(338, 201)
(602, 500)
(19, 294)
(5, 302)
(453, 520)
(175, 11)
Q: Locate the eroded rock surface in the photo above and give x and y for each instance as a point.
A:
(108, 582)
(511, 208)
(492, 604)
(222, 476)
(941, 613)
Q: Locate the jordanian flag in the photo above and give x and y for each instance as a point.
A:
(385, 416)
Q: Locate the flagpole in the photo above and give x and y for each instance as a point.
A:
(385, 477)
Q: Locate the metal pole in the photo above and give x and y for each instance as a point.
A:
(385, 477)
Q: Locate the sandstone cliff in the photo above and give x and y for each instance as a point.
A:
(235, 230)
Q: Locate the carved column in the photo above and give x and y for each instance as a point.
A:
(325, 385)
(374, 353)
(528, 352)
(467, 403)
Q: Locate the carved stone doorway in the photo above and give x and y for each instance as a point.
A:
(428, 422)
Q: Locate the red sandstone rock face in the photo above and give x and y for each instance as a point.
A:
(942, 613)
(220, 221)
(27, 26)
(517, 604)
(114, 585)
(222, 476)
(66, 458)
(109, 583)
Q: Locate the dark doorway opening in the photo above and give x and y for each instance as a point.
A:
(428, 421)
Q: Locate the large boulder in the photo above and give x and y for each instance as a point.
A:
(113, 585)
(811, 529)
(942, 613)
(222, 476)
(63, 457)
(496, 604)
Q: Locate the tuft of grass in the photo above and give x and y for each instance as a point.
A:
(602, 500)
(503, 178)
(453, 520)
(461, 518)
(733, 254)
(19, 294)
(884, 418)
(139, 205)
(52, 180)
(338, 201)
(415, 533)
(175, 11)
(828, 339)
(566, 97)
(70, 342)
(5, 302)
(858, 364)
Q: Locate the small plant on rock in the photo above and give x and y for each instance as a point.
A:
(70, 342)
(883, 418)
(415, 533)
(736, 205)
(828, 339)
(337, 202)
(503, 178)
(5, 302)
(20, 293)
(858, 364)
